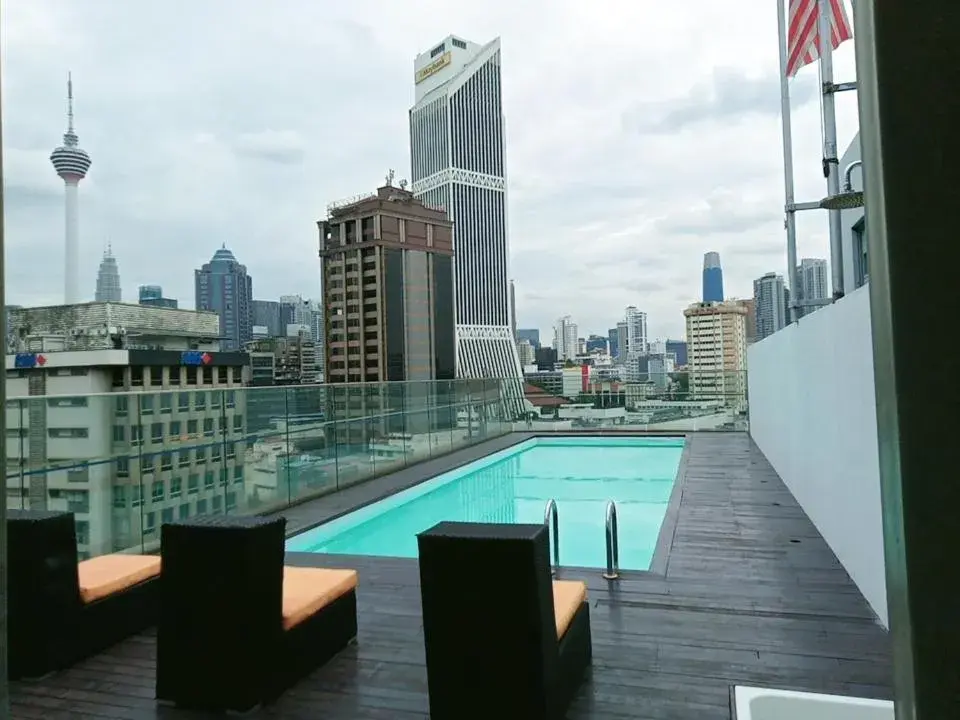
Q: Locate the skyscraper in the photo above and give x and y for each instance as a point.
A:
(108, 279)
(712, 278)
(457, 157)
(71, 164)
(223, 286)
(770, 303)
(812, 282)
(388, 279)
(565, 338)
(636, 340)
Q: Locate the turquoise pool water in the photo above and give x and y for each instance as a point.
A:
(513, 486)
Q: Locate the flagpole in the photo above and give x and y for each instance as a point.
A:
(790, 221)
(831, 168)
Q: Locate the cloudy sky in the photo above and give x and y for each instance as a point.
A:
(640, 135)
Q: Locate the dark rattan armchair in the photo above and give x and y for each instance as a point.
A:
(502, 639)
(62, 610)
(237, 627)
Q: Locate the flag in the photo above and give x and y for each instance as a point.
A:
(803, 31)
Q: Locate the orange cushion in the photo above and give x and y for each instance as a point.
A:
(568, 595)
(307, 590)
(109, 574)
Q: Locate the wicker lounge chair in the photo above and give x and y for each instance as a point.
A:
(237, 627)
(62, 610)
(502, 639)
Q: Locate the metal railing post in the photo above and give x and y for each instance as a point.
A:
(613, 543)
(552, 520)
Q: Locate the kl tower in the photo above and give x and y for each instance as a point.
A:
(71, 164)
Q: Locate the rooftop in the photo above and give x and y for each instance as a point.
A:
(749, 593)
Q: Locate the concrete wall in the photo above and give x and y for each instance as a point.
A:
(813, 414)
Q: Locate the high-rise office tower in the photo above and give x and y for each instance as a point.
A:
(770, 304)
(565, 340)
(223, 286)
(636, 322)
(457, 156)
(388, 290)
(712, 278)
(108, 279)
(71, 164)
(812, 282)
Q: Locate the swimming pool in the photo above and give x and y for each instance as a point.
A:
(513, 486)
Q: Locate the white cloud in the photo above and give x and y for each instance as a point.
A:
(639, 137)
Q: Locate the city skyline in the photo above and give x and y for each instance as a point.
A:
(586, 220)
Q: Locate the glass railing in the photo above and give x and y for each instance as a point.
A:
(655, 402)
(126, 462)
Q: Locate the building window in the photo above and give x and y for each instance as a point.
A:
(146, 404)
(120, 496)
(459, 43)
(68, 433)
(78, 475)
(176, 485)
(193, 484)
(146, 464)
(83, 532)
(166, 461)
(166, 403)
(136, 434)
(175, 429)
(192, 427)
(184, 511)
(158, 491)
(122, 406)
(156, 432)
(860, 269)
(183, 402)
(208, 427)
(208, 480)
(123, 467)
(119, 433)
(67, 402)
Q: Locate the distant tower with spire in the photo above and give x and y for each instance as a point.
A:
(71, 164)
(108, 279)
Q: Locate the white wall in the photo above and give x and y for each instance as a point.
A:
(813, 414)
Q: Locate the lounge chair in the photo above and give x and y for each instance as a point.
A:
(62, 610)
(502, 639)
(237, 627)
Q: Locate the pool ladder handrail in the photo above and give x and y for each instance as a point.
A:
(551, 519)
(613, 543)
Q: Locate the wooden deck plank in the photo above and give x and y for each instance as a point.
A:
(751, 594)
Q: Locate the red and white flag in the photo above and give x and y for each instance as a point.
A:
(803, 31)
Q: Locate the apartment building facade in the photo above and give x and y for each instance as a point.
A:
(717, 352)
(125, 437)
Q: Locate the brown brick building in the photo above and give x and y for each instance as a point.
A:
(388, 289)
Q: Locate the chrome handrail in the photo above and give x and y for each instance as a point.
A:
(551, 519)
(613, 543)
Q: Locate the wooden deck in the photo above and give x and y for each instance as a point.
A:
(751, 595)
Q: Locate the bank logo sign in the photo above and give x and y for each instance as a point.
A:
(433, 68)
